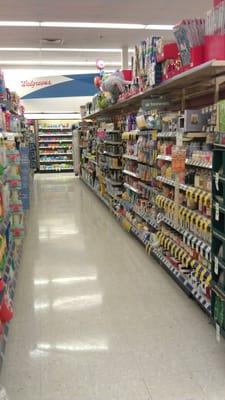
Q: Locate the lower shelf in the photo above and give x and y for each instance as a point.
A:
(157, 254)
(45, 171)
(95, 191)
(10, 282)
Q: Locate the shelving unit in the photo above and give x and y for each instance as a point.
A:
(169, 213)
(15, 189)
(218, 239)
(54, 140)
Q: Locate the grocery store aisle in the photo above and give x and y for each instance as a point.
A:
(95, 318)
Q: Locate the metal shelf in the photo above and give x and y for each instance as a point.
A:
(193, 163)
(195, 242)
(182, 186)
(56, 141)
(167, 135)
(134, 158)
(55, 161)
(95, 191)
(53, 147)
(150, 221)
(164, 157)
(107, 153)
(192, 80)
(126, 185)
(54, 129)
(55, 135)
(111, 167)
(199, 164)
(112, 143)
(114, 183)
(56, 169)
(56, 154)
(182, 280)
(130, 173)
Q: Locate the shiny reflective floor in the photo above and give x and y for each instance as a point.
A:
(96, 318)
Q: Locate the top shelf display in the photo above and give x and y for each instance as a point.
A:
(196, 82)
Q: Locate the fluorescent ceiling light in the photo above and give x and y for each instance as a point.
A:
(19, 49)
(159, 27)
(85, 25)
(83, 50)
(64, 49)
(95, 25)
(19, 23)
(62, 63)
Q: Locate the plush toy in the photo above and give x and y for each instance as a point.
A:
(113, 84)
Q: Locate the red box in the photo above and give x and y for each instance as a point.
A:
(214, 47)
(197, 55)
(170, 51)
(217, 2)
(127, 73)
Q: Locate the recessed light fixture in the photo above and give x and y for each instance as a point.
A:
(85, 25)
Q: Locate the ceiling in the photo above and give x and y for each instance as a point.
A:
(117, 11)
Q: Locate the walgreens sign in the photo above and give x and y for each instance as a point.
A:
(35, 84)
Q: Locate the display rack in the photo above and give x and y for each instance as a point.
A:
(169, 213)
(196, 82)
(15, 181)
(218, 239)
(54, 146)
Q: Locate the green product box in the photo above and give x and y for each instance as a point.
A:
(221, 111)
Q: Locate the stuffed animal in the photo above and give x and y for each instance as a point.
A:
(113, 84)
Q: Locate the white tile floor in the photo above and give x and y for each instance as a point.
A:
(95, 318)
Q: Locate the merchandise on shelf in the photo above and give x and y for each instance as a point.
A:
(163, 192)
(55, 146)
(218, 238)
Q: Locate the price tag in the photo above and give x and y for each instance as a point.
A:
(179, 139)
(194, 240)
(202, 249)
(207, 253)
(217, 178)
(202, 276)
(218, 333)
(173, 249)
(216, 265)
(189, 239)
(198, 244)
(185, 236)
(217, 211)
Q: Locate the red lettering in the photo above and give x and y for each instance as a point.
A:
(34, 84)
